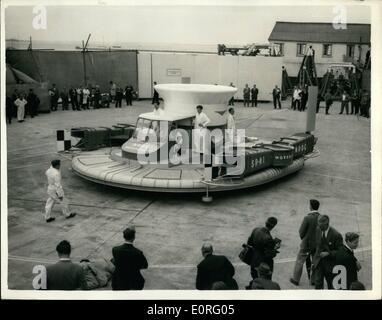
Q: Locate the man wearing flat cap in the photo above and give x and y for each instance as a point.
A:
(264, 282)
(264, 246)
(56, 192)
(128, 261)
(213, 269)
(328, 241)
(345, 257)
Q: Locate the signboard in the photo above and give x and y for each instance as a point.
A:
(174, 72)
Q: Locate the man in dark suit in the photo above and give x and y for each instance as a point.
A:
(9, 109)
(214, 268)
(264, 282)
(65, 275)
(345, 257)
(307, 233)
(129, 95)
(118, 97)
(328, 101)
(264, 246)
(53, 92)
(128, 262)
(254, 94)
(73, 98)
(155, 95)
(328, 241)
(33, 103)
(231, 101)
(276, 93)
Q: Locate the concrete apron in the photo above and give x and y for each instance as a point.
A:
(171, 228)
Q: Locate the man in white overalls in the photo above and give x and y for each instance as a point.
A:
(55, 192)
(200, 130)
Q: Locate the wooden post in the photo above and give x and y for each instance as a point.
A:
(311, 109)
(84, 46)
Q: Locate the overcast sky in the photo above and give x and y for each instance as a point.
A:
(189, 25)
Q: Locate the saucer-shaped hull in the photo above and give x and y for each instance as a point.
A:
(108, 170)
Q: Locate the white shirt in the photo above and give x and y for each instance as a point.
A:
(20, 102)
(231, 122)
(54, 181)
(349, 248)
(113, 89)
(325, 232)
(64, 259)
(201, 120)
(85, 96)
(296, 94)
(86, 92)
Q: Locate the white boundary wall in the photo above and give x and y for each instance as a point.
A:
(265, 72)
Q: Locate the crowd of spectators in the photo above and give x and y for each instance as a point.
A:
(322, 249)
(19, 104)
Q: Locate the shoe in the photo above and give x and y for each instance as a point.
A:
(50, 219)
(71, 215)
(293, 281)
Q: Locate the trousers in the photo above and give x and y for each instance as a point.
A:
(52, 200)
(321, 272)
(302, 257)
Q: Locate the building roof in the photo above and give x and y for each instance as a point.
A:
(320, 32)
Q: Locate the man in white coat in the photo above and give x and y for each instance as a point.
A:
(55, 192)
(85, 97)
(20, 104)
(201, 131)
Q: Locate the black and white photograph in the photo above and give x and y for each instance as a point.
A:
(163, 150)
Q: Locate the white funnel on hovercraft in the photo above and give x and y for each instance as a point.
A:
(183, 99)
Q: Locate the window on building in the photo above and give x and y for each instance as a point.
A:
(350, 51)
(327, 50)
(301, 47)
(278, 49)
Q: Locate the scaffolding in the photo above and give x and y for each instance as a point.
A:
(307, 75)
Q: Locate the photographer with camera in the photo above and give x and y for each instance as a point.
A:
(264, 246)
